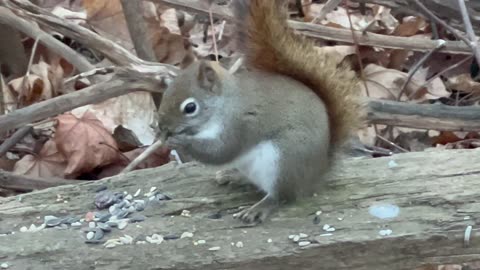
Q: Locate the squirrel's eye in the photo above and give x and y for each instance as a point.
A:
(189, 107)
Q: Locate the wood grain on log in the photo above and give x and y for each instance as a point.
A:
(436, 192)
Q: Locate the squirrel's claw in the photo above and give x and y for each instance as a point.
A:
(258, 212)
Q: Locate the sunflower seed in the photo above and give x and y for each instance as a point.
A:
(304, 243)
(137, 218)
(186, 234)
(53, 222)
(171, 237)
(104, 227)
(98, 234)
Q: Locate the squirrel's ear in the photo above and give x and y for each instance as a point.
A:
(209, 74)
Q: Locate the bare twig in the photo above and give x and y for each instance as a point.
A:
(133, 11)
(116, 53)
(423, 116)
(150, 150)
(25, 183)
(452, 30)
(392, 144)
(459, 63)
(330, 33)
(327, 8)
(416, 67)
(214, 39)
(125, 81)
(469, 29)
(14, 139)
(32, 30)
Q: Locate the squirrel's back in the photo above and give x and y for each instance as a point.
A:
(270, 45)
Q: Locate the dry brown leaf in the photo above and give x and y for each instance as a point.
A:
(48, 163)
(385, 83)
(84, 142)
(156, 159)
(106, 17)
(38, 86)
(134, 111)
(339, 18)
(410, 26)
(463, 82)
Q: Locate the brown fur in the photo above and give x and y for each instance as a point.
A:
(270, 45)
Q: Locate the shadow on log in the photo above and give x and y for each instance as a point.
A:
(437, 193)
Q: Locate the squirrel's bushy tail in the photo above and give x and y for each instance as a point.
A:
(270, 45)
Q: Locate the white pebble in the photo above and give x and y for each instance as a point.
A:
(110, 245)
(154, 241)
(24, 229)
(201, 242)
(4, 265)
(129, 197)
(122, 224)
(76, 224)
(296, 238)
(304, 243)
(326, 234)
(92, 225)
(239, 244)
(303, 235)
(318, 213)
(340, 218)
(331, 229)
(126, 239)
(152, 189)
(269, 240)
(291, 236)
(385, 232)
(137, 192)
(326, 227)
(392, 164)
(186, 234)
(185, 213)
(90, 235)
(214, 248)
(140, 242)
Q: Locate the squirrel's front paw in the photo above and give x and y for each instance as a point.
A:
(178, 142)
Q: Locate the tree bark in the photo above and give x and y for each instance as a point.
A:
(436, 192)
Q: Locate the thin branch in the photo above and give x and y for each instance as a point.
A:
(416, 67)
(327, 8)
(116, 53)
(14, 139)
(125, 81)
(26, 183)
(330, 33)
(144, 155)
(133, 11)
(392, 144)
(452, 30)
(469, 29)
(214, 40)
(32, 30)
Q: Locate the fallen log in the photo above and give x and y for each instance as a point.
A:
(436, 194)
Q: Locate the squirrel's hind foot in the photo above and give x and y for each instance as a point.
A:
(258, 212)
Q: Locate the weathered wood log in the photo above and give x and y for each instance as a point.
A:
(437, 193)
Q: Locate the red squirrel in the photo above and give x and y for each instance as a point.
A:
(278, 121)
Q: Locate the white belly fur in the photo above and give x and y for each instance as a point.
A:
(260, 165)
